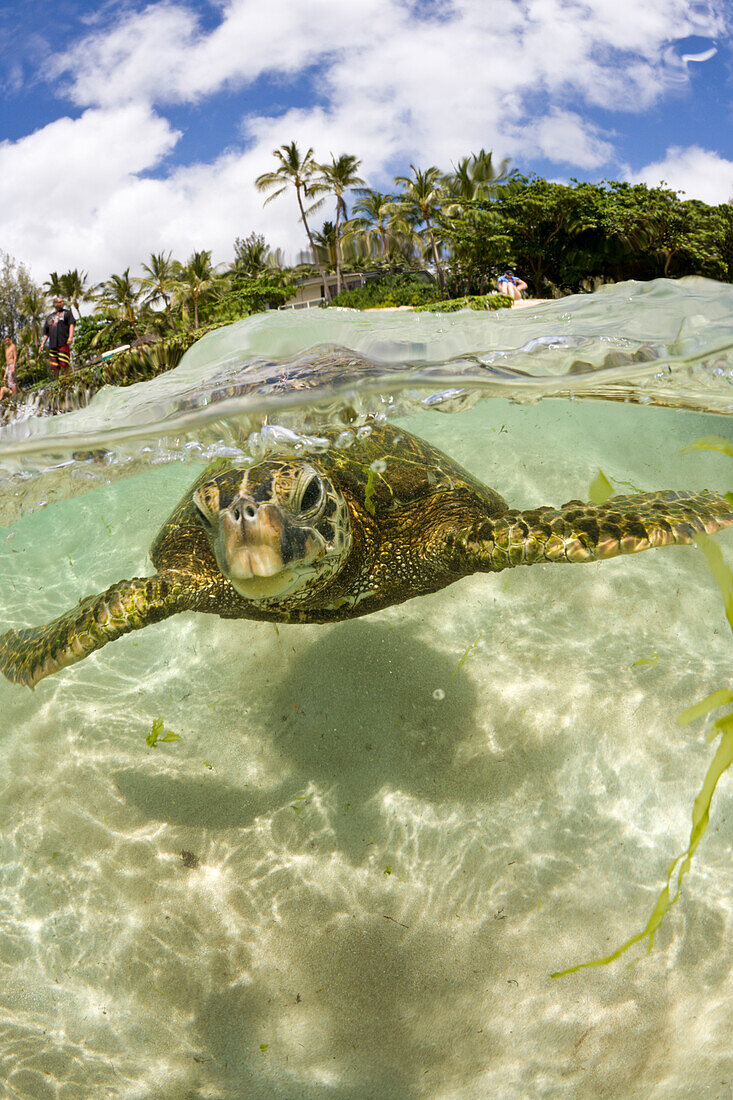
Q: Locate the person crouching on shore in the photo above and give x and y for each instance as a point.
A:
(58, 330)
(511, 285)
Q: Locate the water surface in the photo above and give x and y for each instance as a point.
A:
(357, 869)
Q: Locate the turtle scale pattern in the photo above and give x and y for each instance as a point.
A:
(418, 522)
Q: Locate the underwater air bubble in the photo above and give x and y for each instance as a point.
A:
(344, 441)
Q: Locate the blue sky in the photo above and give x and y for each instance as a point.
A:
(136, 127)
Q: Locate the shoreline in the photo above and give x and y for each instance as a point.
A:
(520, 303)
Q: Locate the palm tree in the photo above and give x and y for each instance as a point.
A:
(33, 308)
(74, 288)
(378, 223)
(161, 281)
(253, 255)
(421, 203)
(326, 244)
(475, 179)
(119, 297)
(53, 285)
(195, 280)
(339, 176)
(300, 172)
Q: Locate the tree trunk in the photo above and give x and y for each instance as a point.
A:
(195, 310)
(438, 268)
(320, 267)
(168, 311)
(385, 246)
(337, 248)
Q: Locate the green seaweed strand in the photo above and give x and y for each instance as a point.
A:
(468, 652)
(721, 761)
(700, 818)
(719, 698)
(721, 573)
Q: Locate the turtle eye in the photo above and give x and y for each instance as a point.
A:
(312, 495)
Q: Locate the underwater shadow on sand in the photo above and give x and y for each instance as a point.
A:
(368, 706)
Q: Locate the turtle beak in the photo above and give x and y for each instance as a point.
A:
(251, 537)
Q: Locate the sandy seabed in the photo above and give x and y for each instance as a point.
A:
(354, 874)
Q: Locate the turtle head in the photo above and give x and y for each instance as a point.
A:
(275, 528)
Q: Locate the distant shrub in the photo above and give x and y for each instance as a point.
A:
(477, 301)
(392, 290)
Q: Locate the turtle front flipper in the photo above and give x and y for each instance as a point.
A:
(580, 532)
(27, 655)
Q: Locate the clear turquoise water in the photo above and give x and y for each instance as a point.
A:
(382, 880)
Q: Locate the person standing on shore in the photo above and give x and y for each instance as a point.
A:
(58, 330)
(10, 384)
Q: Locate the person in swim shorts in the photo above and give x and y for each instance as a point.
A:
(10, 384)
(58, 331)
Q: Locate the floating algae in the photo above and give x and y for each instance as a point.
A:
(468, 652)
(653, 660)
(369, 493)
(710, 443)
(600, 488)
(376, 468)
(158, 734)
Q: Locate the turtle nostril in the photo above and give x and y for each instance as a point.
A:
(243, 513)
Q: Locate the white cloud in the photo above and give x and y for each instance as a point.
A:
(55, 183)
(593, 46)
(563, 136)
(395, 82)
(163, 55)
(698, 173)
(98, 213)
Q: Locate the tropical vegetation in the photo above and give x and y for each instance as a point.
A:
(435, 237)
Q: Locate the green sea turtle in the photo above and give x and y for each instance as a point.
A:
(333, 536)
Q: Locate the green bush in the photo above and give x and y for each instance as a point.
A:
(477, 301)
(32, 368)
(392, 290)
(248, 296)
(93, 335)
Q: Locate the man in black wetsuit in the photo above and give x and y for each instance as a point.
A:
(59, 332)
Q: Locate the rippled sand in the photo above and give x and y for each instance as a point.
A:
(338, 885)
